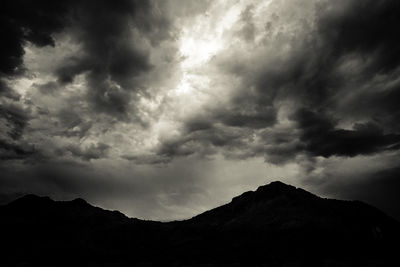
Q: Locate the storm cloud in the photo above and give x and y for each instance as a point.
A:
(132, 91)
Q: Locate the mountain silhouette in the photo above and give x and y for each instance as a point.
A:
(276, 225)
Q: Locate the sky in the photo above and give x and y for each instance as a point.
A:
(165, 109)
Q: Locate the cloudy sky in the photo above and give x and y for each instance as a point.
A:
(164, 109)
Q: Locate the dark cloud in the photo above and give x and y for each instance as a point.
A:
(261, 117)
(372, 39)
(239, 114)
(147, 159)
(7, 92)
(108, 97)
(47, 88)
(203, 140)
(72, 124)
(321, 138)
(71, 67)
(17, 119)
(11, 151)
(114, 40)
(332, 66)
(115, 45)
(279, 146)
(27, 21)
(380, 103)
(94, 151)
(374, 34)
(198, 123)
(14, 119)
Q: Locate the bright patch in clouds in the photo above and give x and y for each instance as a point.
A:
(201, 40)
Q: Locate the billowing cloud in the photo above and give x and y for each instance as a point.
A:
(320, 137)
(187, 89)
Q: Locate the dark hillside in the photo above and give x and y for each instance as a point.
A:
(277, 224)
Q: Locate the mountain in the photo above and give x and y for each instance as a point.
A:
(276, 225)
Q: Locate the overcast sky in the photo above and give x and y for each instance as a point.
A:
(164, 109)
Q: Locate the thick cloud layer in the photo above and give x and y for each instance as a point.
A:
(138, 89)
(320, 137)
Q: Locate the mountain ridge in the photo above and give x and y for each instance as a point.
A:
(274, 187)
(275, 223)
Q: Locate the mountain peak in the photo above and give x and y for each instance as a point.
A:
(272, 190)
(277, 188)
(267, 201)
(276, 185)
